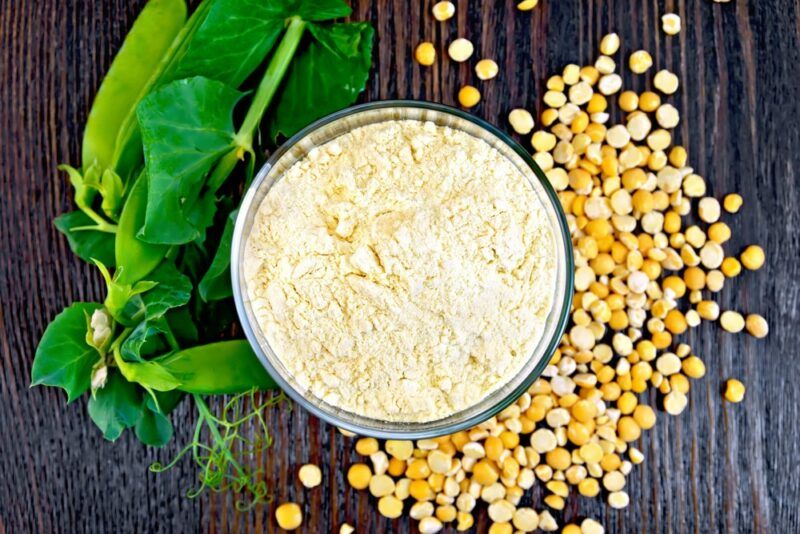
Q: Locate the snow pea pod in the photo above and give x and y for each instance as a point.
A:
(135, 259)
(217, 368)
(127, 153)
(141, 53)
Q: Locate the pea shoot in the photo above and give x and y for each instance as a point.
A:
(155, 210)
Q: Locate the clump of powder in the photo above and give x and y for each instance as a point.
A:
(402, 271)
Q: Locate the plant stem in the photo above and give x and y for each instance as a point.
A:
(276, 69)
(272, 78)
(102, 224)
(223, 169)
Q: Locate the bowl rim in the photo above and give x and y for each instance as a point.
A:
(241, 309)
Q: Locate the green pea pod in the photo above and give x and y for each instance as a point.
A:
(128, 145)
(134, 258)
(218, 368)
(140, 55)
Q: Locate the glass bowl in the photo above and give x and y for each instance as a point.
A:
(335, 125)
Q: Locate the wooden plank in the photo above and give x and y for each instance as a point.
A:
(716, 468)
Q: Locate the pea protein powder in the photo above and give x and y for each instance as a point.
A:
(402, 271)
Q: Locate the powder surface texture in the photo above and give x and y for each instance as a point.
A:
(402, 271)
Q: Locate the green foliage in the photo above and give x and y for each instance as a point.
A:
(215, 439)
(326, 76)
(162, 139)
(216, 283)
(84, 240)
(116, 406)
(63, 358)
(186, 127)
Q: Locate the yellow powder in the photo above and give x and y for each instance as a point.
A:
(402, 271)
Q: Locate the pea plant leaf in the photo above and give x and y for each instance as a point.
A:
(63, 358)
(326, 75)
(116, 406)
(173, 290)
(153, 428)
(170, 289)
(182, 326)
(186, 127)
(216, 283)
(150, 374)
(144, 339)
(83, 241)
(237, 35)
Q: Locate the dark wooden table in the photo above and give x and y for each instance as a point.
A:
(715, 468)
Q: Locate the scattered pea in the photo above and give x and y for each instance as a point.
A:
(527, 5)
(671, 23)
(732, 202)
(425, 54)
(460, 50)
(443, 10)
(640, 61)
(732, 321)
(609, 44)
(752, 257)
(756, 325)
(486, 69)
(289, 516)
(734, 390)
(666, 82)
(469, 96)
(310, 475)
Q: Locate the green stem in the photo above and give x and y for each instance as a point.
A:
(223, 169)
(275, 72)
(205, 414)
(102, 224)
(120, 339)
(269, 83)
(171, 340)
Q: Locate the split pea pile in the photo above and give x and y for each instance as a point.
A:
(643, 277)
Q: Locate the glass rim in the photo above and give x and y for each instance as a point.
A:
(242, 308)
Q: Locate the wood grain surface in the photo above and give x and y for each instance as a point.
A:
(715, 468)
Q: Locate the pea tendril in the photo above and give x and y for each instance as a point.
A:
(223, 452)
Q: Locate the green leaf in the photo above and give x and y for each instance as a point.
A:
(233, 40)
(237, 35)
(150, 374)
(326, 75)
(119, 297)
(150, 37)
(218, 368)
(63, 358)
(216, 283)
(182, 326)
(186, 127)
(143, 340)
(135, 258)
(116, 406)
(86, 244)
(173, 291)
(153, 428)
